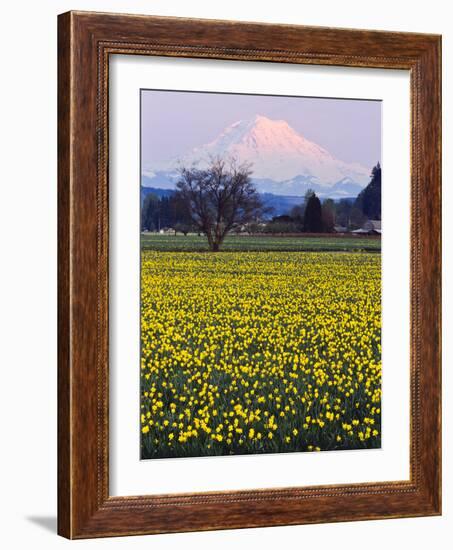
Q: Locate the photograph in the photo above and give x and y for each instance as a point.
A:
(260, 239)
(239, 344)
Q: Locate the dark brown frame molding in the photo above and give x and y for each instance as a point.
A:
(85, 42)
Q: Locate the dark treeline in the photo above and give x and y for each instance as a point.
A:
(311, 216)
(165, 212)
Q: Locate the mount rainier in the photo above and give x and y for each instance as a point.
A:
(283, 161)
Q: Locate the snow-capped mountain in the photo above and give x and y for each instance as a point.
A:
(283, 161)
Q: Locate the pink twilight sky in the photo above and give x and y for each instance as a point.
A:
(175, 122)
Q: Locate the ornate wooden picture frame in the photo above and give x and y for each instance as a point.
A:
(85, 42)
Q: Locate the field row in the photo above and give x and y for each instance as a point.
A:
(328, 243)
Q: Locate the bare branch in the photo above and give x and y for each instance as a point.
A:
(220, 197)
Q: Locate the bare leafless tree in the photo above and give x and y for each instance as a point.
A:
(219, 198)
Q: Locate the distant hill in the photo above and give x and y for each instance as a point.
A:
(281, 196)
(144, 191)
(280, 204)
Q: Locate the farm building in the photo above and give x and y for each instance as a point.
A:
(370, 227)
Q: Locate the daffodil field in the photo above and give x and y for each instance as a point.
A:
(259, 351)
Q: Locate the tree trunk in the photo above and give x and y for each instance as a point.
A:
(215, 246)
(210, 241)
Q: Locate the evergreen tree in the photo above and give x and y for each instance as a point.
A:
(313, 215)
(369, 200)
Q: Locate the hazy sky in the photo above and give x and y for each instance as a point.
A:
(175, 122)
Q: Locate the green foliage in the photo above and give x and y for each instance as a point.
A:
(297, 213)
(313, 215)
(343, 212)
(165, 212)
(369, 200)
(328, 215)
(150, 213)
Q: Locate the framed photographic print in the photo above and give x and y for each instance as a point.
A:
(249, 275)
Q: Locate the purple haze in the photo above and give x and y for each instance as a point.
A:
(175, 122)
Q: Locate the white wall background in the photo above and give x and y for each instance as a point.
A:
(28, 269)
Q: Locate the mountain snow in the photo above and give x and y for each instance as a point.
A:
(283, 161)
